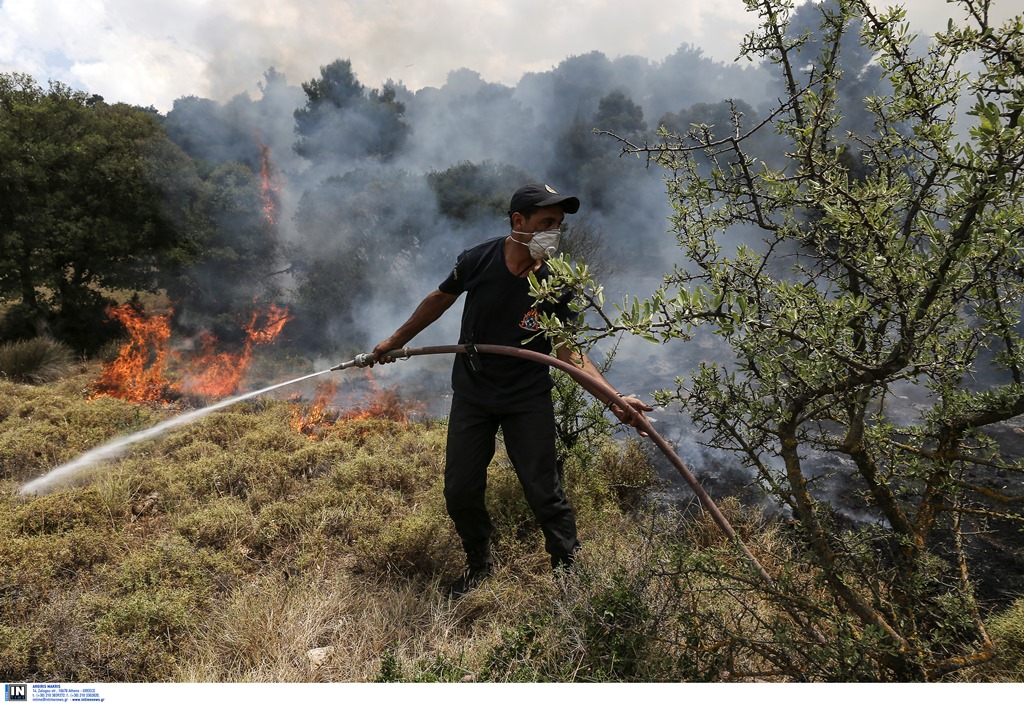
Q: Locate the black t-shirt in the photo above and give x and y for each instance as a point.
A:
(499, 310)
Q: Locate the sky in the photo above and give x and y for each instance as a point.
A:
(150, 52)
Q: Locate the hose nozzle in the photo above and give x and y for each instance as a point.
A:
(360, 361)
(363, 360)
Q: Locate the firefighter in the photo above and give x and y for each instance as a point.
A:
(495, 391)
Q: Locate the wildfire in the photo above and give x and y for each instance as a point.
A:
(217, 374)
(378, 403)
(315, 416)
(269, 187)
(137, 374)
(141, 372)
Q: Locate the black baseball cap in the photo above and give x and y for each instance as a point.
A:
(540, 195)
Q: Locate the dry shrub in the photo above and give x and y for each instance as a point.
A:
(403, 459)
(376, 630)
(52, 537)
(66, 644)
(49, 558)
(1007, 632)
(218, 525)
(40, 360)
(44, 427)
(57, 513)
(626, 468)
(417, 542)
(263, 631)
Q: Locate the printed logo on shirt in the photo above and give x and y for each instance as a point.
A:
(530, 323)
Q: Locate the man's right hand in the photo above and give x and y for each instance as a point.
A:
(378, 355)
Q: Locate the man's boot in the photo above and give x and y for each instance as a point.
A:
(480, 564)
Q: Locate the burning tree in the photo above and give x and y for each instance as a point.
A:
(889, 266)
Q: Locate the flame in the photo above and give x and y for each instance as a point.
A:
(315, 416)
(276, 318)
(139, 372)
(378, 403)
(386, 403)
(269, 187)
(217, 374)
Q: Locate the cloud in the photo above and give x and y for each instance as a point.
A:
(150, 53)
(154, 52)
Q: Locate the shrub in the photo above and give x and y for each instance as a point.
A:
(1007, 631)
(218, 525)
(417, 542)
(36, 361)
(58, 513)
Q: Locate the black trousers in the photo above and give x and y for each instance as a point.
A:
(529, 432)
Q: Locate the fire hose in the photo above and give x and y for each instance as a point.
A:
(609, 398)
(606, 396)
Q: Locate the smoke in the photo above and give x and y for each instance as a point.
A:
(366, 231)
(390, 184)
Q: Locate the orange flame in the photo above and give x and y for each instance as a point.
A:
(276, 319)
(378, 403)
(138, 373)
(217, 374)
(315, 417)
(269, 187)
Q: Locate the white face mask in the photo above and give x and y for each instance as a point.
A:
(543, 245)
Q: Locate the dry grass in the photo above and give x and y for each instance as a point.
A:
(237, 549)
(39, 360)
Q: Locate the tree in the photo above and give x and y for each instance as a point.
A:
(342, 120)
(589, 164)
(362, 236)
(469, 192)
(82, 207)
(890, 265)
(235, 257)
(204, 130)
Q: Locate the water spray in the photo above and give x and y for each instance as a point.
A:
(116, 447)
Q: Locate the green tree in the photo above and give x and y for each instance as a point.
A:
(236, 253)
(590, 164)
(469, 192)
(891, 265)
(343, 120)
(82, 206)
(362, 233)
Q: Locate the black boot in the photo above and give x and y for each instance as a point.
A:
(480, 565)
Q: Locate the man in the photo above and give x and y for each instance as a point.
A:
(505, 392)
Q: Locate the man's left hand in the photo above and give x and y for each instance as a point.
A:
(634, 415)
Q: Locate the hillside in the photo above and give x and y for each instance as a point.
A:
(241, 548)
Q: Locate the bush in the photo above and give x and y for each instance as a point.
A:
(1007, 631)
(36, 361)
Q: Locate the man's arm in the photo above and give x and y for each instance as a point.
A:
(429, 309)
(637, 407)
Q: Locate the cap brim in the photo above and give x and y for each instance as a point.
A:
(570, 203)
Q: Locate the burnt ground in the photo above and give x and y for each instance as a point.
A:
(994, 547)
